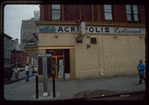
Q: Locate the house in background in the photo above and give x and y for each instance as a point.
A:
(7, 49)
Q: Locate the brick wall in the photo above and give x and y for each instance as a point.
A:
(86, 10)
(119, 14)
(22, 58)
(142, 13)
(72, 13)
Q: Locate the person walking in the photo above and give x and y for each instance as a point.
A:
(27, 68)
(140, 69)
(16, 73)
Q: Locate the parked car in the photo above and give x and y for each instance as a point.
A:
(8, 72)
(21, 68)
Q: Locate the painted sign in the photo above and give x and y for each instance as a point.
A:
(30, 50)
(107, 30)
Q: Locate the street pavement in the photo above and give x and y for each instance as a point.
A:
(70, 89)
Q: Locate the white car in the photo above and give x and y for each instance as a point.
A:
(21, 69)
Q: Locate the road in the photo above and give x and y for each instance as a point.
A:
(20, 90)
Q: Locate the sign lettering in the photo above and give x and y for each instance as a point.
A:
(107, 30)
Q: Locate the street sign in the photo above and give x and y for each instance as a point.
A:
(30, 50)
(81, 31)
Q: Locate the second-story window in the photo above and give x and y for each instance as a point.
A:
(56, 12)
(108, 12)
(132, 13)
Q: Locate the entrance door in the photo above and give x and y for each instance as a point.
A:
(54, 63)
(58, 67)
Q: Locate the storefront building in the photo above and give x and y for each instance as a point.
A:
(113, 43)
(7, 49)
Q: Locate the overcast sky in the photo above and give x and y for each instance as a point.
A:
(13, 16)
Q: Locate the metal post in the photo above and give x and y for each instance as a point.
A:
(45, 81)
(36, 87)
(53, 85)
(64, 75)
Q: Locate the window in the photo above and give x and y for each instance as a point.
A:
(108, 12)
(132, 13)
(56, 12)
(93, 41)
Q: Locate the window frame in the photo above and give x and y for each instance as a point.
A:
(56, 10)
(132, 14)
(108, 12)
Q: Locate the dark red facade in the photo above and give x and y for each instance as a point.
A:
(71, 12)
(18, 57)
(93, 13)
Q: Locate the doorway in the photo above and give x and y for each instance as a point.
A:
(60, 62)
(58, 67)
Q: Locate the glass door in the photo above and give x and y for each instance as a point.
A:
(60, 67)
(54, 63)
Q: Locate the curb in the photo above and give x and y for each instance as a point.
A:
(115, 95)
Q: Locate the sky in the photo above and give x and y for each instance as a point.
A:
(13, 16)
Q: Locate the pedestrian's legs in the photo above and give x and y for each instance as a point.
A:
(27, 75)
(17, 76)
(141, 77)
(144, 78)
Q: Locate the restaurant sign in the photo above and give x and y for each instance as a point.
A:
(107, 30)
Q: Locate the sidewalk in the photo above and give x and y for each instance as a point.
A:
(22, 76)
(70, 89)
